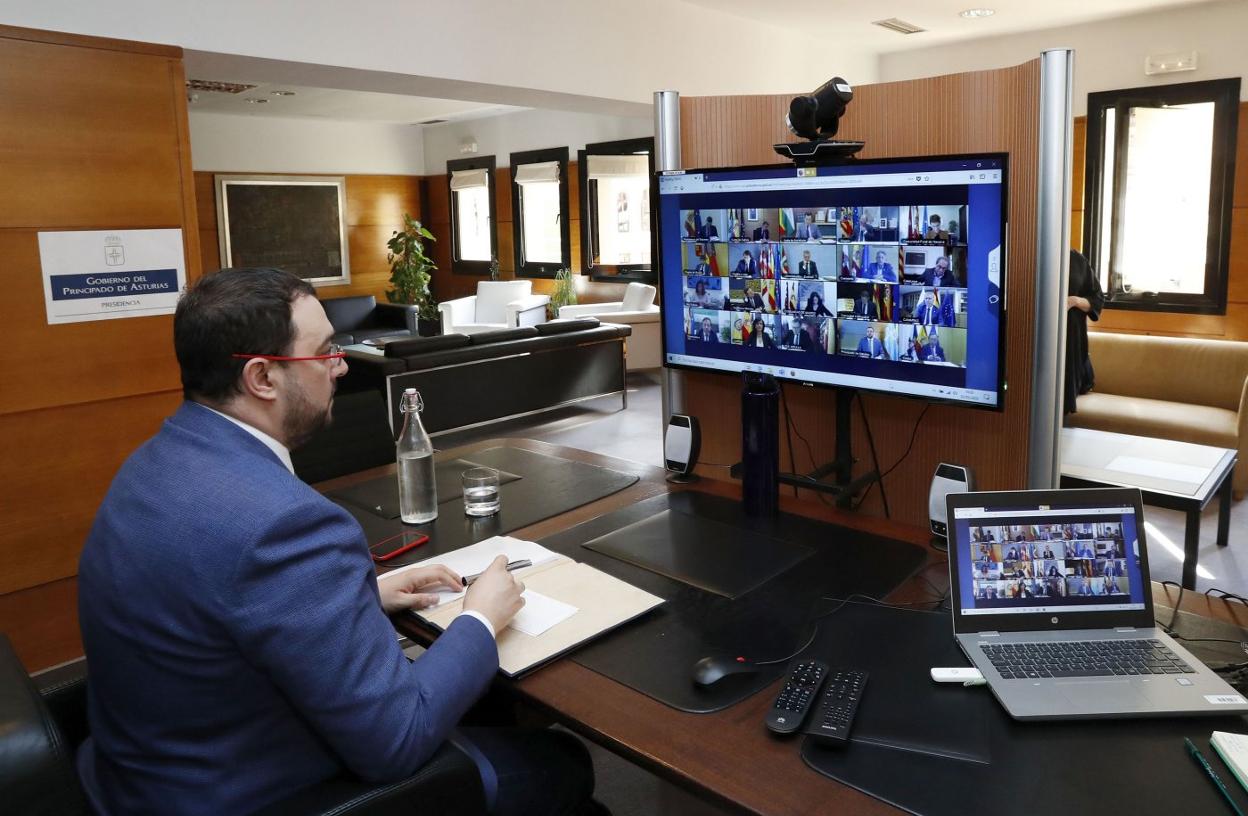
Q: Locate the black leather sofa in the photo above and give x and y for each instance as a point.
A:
(360, 317)
(43, 720)
(465, 380)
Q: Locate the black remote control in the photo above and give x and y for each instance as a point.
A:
(794, 700)
(837, 705)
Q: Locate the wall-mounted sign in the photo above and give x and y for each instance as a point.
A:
(107, 274)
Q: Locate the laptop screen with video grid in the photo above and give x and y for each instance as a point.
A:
(1048, 558)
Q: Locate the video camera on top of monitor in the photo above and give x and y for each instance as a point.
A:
(816, 117)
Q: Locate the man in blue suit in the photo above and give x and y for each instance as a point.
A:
(234, 625)
(881, 269)
(927, 313)
(746, 266)
(870, 346)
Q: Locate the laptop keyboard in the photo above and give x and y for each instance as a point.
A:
(1084, 658)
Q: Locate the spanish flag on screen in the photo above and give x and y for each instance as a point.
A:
(712, 259)
(786, 223)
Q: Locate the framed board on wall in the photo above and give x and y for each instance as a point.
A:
(296, 223)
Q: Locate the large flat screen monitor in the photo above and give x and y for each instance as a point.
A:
(884, 275)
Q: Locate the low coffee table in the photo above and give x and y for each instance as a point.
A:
(1177, 475)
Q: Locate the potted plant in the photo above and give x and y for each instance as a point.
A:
(564, 294)
(411, 273)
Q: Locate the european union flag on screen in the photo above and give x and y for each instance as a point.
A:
(946, 309)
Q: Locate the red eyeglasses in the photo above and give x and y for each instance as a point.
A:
(335, 353)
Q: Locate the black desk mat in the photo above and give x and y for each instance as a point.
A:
(702, 552)
(655, 654)
(547, 486)
(381, 495)
(1085, 766)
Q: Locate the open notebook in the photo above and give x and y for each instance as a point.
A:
(566, 603)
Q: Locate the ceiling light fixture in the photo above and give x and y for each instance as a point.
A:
(281, 93)
(975, 13)
(257, 101)
(218, 87)
(900, 26)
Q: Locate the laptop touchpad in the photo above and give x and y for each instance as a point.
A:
(1102, 695)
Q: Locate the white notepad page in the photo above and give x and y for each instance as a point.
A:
(475, 558)
(539, 613)
(1233, 748)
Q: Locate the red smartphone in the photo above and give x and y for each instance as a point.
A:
(396, 545)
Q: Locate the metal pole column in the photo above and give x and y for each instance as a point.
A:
(1048, 369)
(667, 157)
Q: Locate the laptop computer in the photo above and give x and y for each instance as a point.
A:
(1052, 603)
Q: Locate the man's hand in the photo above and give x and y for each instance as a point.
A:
(495, 594)
(403, 591)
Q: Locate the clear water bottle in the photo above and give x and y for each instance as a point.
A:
(418, 487)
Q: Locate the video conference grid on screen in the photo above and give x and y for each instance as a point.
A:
(870, 275)
(1074, 561)
(878, 282)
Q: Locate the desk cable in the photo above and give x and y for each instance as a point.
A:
(875, 459)
(1237, 671)
(1223, 595)
(790, 428)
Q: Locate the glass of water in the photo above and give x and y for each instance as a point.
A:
(481, 497)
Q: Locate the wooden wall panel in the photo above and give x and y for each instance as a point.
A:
(375, 208)
(75, 140)
(94, 136)
(42, 623)
(983, 111)
(57, 466)
(1240, 199)
(1231, 326)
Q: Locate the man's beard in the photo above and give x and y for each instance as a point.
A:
(304, 419)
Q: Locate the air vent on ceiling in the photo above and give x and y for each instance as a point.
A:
(900, 26)
(432, 122)
(217, 87)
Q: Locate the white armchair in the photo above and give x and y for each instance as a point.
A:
(496, 305)
(637, 309)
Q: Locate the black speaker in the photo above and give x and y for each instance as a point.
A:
(681, 446)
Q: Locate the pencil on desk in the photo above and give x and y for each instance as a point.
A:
(1200, 760)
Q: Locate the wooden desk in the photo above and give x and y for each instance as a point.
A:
(757, 774)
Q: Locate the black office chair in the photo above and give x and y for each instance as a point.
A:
(44, 719)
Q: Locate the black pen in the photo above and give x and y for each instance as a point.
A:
(512, 566)
(1204, 763)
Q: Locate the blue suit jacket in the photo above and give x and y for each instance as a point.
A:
(237, 645)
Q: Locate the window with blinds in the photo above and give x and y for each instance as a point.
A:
(539, 208)
(472, 214)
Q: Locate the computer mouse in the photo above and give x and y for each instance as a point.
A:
(710, 670)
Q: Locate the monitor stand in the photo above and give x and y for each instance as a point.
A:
(844, 487)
